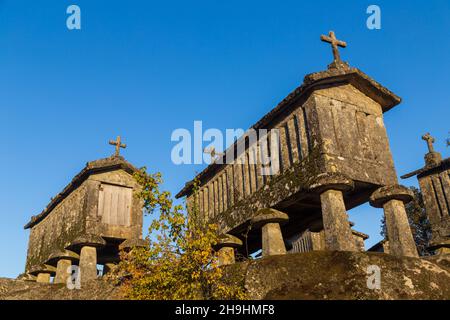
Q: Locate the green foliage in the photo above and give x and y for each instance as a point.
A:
(418, 221)
(180, 262)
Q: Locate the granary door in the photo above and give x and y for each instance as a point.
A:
(114, 205)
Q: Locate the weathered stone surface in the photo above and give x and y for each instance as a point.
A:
(228, 240)
(315, 275)
(272, 240)
(394, 192)
(62, 254)
(268, 215)
(434, 181)
(62, 271)
(331, 181)
(338, 234)
(401, 241)
(332, 126)
(108, 267)
(91, 240)
(392, 199)
(133, 243)
(43, 278)
(26, 290)
(75, 216)
(325, 275)
(226, 256)
(88, 263)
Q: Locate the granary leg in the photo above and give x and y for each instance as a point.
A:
(108, 267)
(88, 263)
(225, 249)
(62, 271)
(272, 238)
(338, 233)
(226, 256)
(392, 200)
(43, 277)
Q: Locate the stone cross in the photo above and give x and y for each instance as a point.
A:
(335, 43)
(213, 153)
(118, 143)
(430, 140)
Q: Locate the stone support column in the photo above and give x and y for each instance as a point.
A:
(269, 221)
(87, 245)
(338, 232)
(43, 277)
(225, 248)
(63, 261)
(88, 263)
(392, 200)
(108, 267)
(62, 271)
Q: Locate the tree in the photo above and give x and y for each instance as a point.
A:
(418, 221)
(179, 262)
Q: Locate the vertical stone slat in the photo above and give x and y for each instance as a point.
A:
(293, 140)
(251, 167)
(440, 195)
(445, 181)
(205, 202)
(364, 135)
(303, 132)
(258, 175)
(230, 183)
(200, 201)
(246, 176)
(216, 198)
(224, 191)
(238, 184)
(220, 193)
(285, 158)
(430, 200)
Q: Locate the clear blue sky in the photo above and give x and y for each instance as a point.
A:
(144, 68)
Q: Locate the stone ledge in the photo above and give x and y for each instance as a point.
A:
(385, 194)
(90, 240)
(43, 268)
(228, 240)
(265, 216)
(133, 243)
(331, 181)
(66, 254)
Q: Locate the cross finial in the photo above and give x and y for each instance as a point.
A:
(213, 153)
(118, 143)
(430, 140)
(335, 43)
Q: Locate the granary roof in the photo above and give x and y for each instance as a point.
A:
(97, 166)
(332, 76)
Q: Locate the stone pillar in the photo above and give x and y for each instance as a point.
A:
(87, 245)
(62, 273)
(88, 263)
(338, 232)
(63, 260)
(129, 244)
(225, 249)
(392, 199)
(43, 277)
(108, 267)
(269, 221)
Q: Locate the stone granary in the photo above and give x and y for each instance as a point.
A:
(87, 223)
(434, 182)
(333, 155)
